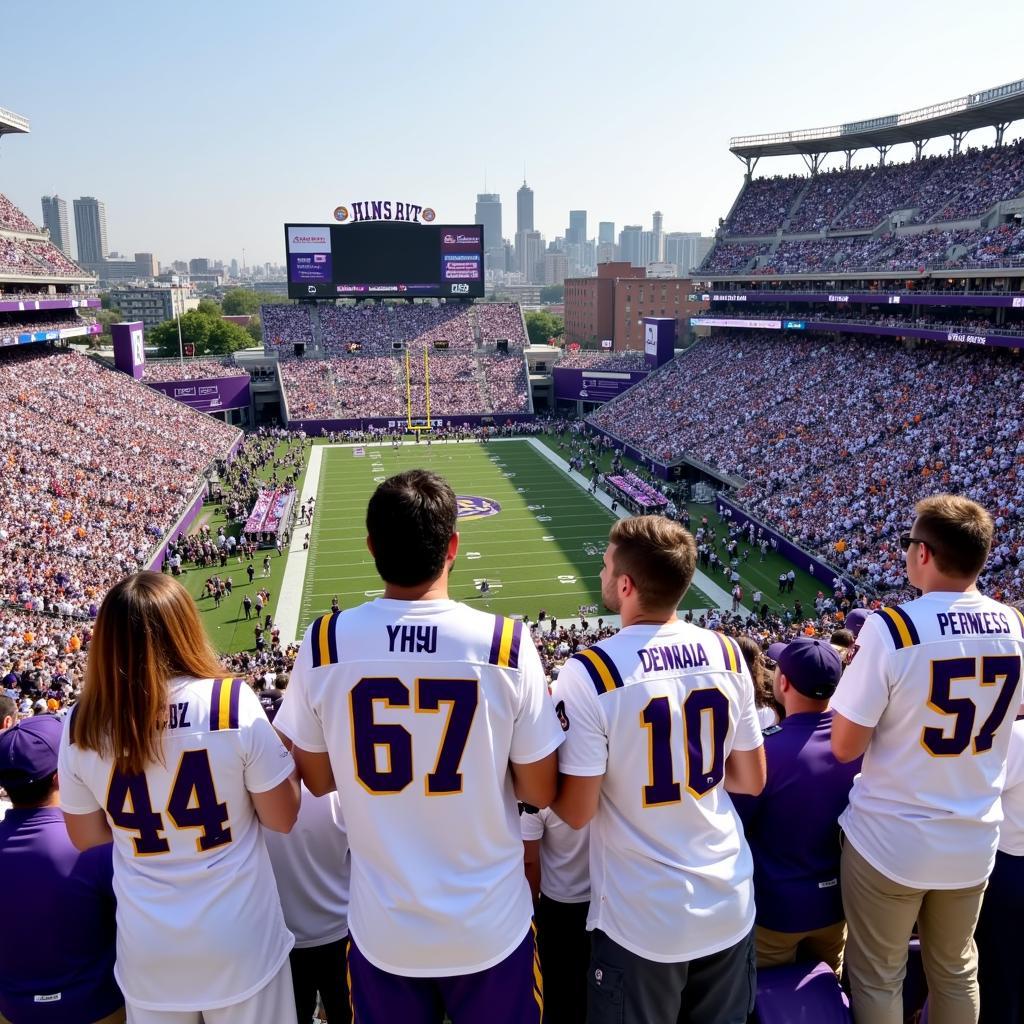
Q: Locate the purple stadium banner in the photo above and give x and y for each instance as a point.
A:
(817, 567)
(593, 385)
(875, 298)
(659, 340)
(988, 339)
(19, 305)
(212, 394)
(129, 351)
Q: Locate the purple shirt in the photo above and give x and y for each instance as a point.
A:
(58, 952)
(793, 827)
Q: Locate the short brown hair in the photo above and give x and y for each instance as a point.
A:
(958, 531)
(658, 555)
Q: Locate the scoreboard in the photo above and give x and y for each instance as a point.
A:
(385, 260)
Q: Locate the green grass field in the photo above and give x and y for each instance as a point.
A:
(542, 550)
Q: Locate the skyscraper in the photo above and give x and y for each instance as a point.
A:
(55, 220)
(659, 239)
(524, 208)
(577, 233)
(488, 213)
(91, 229)
(606, 232)
(629, 245)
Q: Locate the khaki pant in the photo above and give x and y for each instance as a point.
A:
(117, 1017)
(881, 915)
(823, 945)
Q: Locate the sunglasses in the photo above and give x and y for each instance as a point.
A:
(906, 540)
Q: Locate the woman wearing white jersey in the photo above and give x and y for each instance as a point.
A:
(179, 767)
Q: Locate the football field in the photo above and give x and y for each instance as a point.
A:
(533, 534)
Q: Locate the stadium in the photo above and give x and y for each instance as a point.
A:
(860, 350)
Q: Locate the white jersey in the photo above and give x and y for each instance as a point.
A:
(657, 710)
(421, 706)
(1011, 832)
(939, 680)
(311, 865)
(199, 923)
(564, 855)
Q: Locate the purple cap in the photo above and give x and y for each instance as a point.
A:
(855, 619)
(812, 666)
(28, 750)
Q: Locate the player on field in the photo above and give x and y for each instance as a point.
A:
(180, 767)
(431, 719)
(929, 699)
(660, 722)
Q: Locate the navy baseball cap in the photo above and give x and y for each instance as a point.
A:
(855, 619)
(811, 665)
(28, 750)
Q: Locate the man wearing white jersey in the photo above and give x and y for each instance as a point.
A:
(431, 719)
(660, 723)
(929, 699)
(558, 866)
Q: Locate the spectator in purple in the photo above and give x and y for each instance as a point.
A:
(793, 826)
(62, 974)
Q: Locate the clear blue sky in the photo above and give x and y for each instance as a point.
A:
(205, 125)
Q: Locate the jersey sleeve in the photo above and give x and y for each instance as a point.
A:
(863, 690)
(585, 751)
(75, 796)
(296, 717)
(536, 732)
(266, 761)
(748, 725)
(531, 826)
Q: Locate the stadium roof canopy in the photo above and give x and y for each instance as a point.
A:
(996, 108)
(13, 124)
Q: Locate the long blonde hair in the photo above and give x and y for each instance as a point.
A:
(148, 630)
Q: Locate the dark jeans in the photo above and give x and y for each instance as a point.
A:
(564, 958)
(623, 988)
(321, 969)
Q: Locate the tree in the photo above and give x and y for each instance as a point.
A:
(106, 317)
(226, 337)
(210, 307)
(239, 301)
(195, 330)
(541, 326)
(255, 330)
(552, 293)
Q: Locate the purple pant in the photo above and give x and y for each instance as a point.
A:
(510, 992)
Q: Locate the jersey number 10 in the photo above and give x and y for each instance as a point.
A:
(703, 774)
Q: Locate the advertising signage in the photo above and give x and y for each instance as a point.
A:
(385, 260)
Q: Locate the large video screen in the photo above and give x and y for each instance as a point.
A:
(384, 260)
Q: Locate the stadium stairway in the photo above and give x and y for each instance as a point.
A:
(477, 333)
(854, 199)
(794, 206)
(485, 388)
(318, 333)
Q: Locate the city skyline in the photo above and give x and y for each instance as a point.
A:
(215, 161)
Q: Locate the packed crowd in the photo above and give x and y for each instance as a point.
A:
(938, 188)
(375, 327)
(165, 370)
(42, 656)
(500, 320)
(35, 257)
(12, 324)
(12, 219)
(584, 360)
(96, 470)
(733, 257)
(356, 387)
(764, 204)
(792, 415)
(285, 325)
